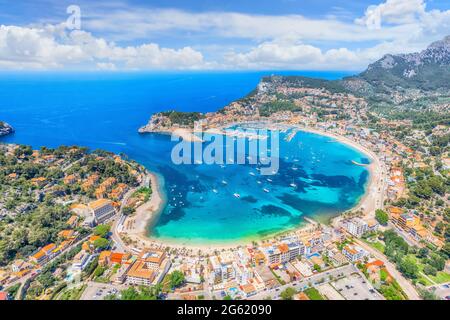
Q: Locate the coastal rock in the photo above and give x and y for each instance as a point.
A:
(5, 129)
(157, 123)
(167, 121)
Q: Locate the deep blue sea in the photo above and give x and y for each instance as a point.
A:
(104, 110)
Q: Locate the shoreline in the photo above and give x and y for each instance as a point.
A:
(147, 213)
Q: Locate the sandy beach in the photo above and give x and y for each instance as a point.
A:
(136, 227)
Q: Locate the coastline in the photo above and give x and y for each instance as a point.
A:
(147, 213)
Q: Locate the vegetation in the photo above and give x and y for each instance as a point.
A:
(382, 217)
(102, 230)
(183, 118)
(288, 293)
(140, 293)
(269, 108)
(176, 279)
(313, 294)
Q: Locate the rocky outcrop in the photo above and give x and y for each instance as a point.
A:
(5, 129)
(157, 123)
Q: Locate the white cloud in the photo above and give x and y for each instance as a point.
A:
(299, 56)
(233, 40)
(52, 47)
(393, 12)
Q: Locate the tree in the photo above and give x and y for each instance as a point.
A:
(102, 230)
(128, 211)
(176, 279)
(422, 253)
(408, 268)
(101, 243)
(382, 217)
(429, 270)
(427, 295)
(288, 293)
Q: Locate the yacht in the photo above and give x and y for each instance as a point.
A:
(224, 182)
(293, 185)
(237, 195)
(266, 190)
(270, 180)
(251, 173)
(215, 191)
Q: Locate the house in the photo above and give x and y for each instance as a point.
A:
(67, 234)
(70, 179)
(44, 254)
(81, 260)
(248, 290)
(3, 296)
(153, 258)
(101, 210)
(119, 258)
(221, 269)
(140, 274)
(356, 227)
(353, 253)
(38, 182)
(73, 220)
(104, 258)
(20, 265)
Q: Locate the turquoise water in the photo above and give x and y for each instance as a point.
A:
(105, 110)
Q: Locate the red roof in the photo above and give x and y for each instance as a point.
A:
(116, 257)
(377, 263)
(3, 296)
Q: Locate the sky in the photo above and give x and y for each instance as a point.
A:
(214, 34)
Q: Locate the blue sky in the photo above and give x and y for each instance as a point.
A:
(216, 34)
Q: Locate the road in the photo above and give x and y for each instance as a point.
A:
(304, 283)
(406, 286)
(117, 224)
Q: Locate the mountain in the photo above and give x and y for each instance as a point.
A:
(427, 70)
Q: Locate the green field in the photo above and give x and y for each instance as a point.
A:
(313, 294)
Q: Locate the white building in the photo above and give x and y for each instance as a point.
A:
(101, 210)
(81, 261)
(356, 227)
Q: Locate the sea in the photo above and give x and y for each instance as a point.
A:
(204, 203)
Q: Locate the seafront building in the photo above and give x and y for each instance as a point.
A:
(102, 210)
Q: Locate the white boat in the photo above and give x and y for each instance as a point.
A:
(251, 173)
(293, 185)
(224, 182)
(215, 191)
(258, 182)
(266, 190)
(237, 195)
(294, 168)
(270, 180)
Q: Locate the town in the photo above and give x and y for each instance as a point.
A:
(394, 245)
